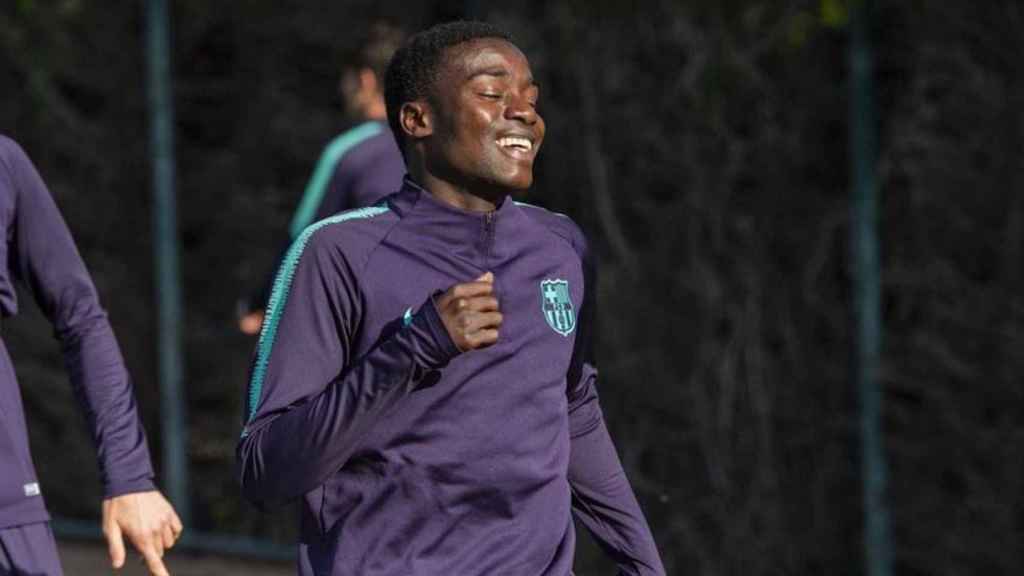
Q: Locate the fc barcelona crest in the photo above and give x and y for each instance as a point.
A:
(556, 303)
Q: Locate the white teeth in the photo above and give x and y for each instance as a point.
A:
(515, 142)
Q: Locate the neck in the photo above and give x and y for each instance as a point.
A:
(375, 110)
(454, 194)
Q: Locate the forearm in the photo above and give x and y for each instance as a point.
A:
(603, 499)
(44, 257)
(284, 455)
(104, 391)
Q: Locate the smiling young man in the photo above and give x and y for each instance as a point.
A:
(423, 380)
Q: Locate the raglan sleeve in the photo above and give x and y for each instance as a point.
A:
(310, 399)
(45, 258)
(602, 498)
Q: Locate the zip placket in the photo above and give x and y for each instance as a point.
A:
(488, 238)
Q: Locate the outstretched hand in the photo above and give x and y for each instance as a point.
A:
(148, 521)
(470, 313)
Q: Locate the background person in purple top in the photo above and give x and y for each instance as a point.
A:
(38, 250)
(424, 378)
(361, 165)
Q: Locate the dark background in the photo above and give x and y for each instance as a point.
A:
(703, 147)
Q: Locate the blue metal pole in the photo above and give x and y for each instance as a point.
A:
(168, 275)
(867, 291)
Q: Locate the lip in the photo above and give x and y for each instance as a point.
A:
(522, 155)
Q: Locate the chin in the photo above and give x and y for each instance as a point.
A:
(518, 181)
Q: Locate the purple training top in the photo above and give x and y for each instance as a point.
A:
(412, 458)
(39, 251)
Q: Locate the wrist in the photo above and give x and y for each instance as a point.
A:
(115, 488)
(432, 346)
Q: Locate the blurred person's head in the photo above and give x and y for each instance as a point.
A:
(461, 101)
(362, 80)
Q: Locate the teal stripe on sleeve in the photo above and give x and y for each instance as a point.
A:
(279, 297)
(317, 186)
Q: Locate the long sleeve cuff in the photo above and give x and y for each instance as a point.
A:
(115, 488)
(429, 342)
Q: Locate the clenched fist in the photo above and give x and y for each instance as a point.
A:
(470, 313)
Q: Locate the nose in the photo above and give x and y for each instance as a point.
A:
(520, 108)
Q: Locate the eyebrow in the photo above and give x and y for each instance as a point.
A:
(497, 72)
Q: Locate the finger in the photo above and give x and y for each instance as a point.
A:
(115, 544)
(176, 525)
(481, 304)
(153, 561)
(472, 289)
(485, 320)
(157, 538)
(168, 536)
(483, 338)
(482, 329)
(152, 539)
(486, 277)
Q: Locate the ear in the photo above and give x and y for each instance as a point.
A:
(416, 119)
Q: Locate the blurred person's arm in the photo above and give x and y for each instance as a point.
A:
(602, 498)
(44, 257)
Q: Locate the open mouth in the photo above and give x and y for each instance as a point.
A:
(516, 145)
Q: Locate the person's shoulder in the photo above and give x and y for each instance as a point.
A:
(371, 145)
(8, 143)
(558, 224)
(353, 233)
(357, 138)
(10, 151)
(14, 164)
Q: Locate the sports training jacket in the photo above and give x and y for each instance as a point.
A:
(414, 458)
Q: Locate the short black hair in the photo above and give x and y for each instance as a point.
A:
(413, 68)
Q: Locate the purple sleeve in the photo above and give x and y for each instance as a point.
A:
(602, 497)
(310, 400)
(45, 258)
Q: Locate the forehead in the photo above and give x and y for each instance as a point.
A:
(461, 61)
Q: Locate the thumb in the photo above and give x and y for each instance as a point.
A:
(486, 277)
(115, 543)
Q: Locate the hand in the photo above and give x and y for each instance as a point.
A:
(251, 323)
(470, 313)
(149, 522)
